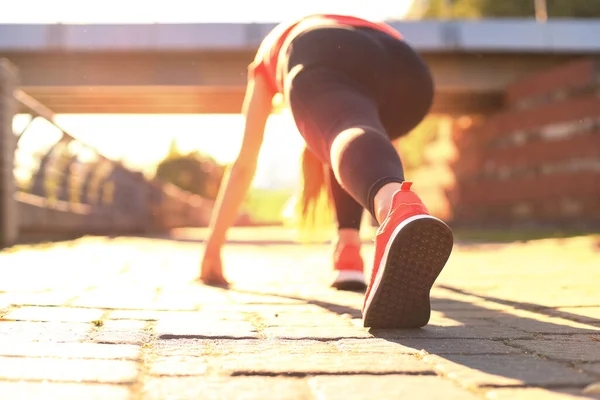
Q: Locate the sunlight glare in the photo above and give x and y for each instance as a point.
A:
(189, 11)
(141, 141)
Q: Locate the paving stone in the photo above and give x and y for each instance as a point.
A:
(188, 297)
(249, 298)
(69, 350)
(218, 388)
(593, 368)
(371, 345)
(177, 329)
(54, 314)
(449, 321)
(207, 294)
(563, 348)
(187, 317)
(432, 346)
(115, 299)
(278, 363)
(142, 315)
(573, 297)
(466, 304)
(294, 308)
(592, 390)
(577, 337)
(442, 304)
(330, 320)
(495, 370)
(43, 331)
(181, 365)
(68, 370)
(546, 293)
(460, 315)
(173, 303)
(4, 307)
(582, 314)
(62, 391)
(341, 306)
(451, 332)
(315, 332)
(122, 332)
(534, 394)
(386, 387)
(200, 347)
(53, 298)
(537, 323)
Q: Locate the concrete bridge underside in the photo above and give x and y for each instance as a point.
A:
(214, 82)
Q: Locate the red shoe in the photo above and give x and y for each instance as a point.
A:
(411, 248)
(348, 267)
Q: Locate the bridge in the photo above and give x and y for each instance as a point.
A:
(200, 68)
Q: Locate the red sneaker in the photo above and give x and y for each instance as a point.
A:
(348, 267)
(411, 248)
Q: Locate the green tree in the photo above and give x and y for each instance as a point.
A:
(433, 9)
(473, 9)
(192, 172)
(412, 146)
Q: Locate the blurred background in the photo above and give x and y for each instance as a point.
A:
(124, 114)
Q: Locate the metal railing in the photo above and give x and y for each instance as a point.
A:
(63, 186)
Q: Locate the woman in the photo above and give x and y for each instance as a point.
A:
(352, 85)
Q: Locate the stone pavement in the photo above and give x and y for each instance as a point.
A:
(102, 318)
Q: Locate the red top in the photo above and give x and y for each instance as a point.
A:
(267, 55)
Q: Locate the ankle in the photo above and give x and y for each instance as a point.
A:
(382, 202)
(347, 237)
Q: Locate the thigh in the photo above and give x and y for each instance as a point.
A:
(324, 103)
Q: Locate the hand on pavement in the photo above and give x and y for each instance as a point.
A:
(211, 269)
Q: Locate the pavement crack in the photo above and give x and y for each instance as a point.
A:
(97, 326)
(146, 358)
(172, 336)
(324, 373)
(526, 386)
(257, 323)
(73, 381)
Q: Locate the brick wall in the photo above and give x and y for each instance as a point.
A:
(538, 161)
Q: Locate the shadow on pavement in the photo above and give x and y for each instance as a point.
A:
(505, 349)
(550, 312)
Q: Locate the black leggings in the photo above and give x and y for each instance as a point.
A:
(352, 90)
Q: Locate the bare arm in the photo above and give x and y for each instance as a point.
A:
(237, 179)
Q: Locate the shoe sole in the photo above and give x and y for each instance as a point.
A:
(415, 255)
(350, 280)
(350, 286)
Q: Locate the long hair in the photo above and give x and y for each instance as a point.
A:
(314, 208)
